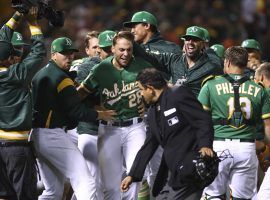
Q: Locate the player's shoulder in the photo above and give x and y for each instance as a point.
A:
(103, 65)
(211, 79)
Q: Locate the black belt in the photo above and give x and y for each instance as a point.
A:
(230, 139)
(122, 123)
(14, 143)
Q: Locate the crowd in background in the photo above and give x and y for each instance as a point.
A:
(229, 22)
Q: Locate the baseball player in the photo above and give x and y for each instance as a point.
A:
(219, 49)
(91, 49)
(262, 75)
(253, 48)
(88, 131)
(118, 140)
(235, 103)
(190, 69)
(144, 26)
(57, 108)
(17, 163)
(19, 45)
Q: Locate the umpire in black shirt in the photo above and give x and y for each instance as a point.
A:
(179, 124)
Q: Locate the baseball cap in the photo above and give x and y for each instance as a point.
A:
(206, 34)
(194, 31)
(6, 49)
(62, 44)
(105, 38)
(251, 44)
(17, 39)
(219, 50)
(141, 17)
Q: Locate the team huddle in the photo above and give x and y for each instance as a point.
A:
(138, 118)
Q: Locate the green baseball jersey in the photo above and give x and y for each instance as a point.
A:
(15, 101)
(217, 96)
(260, 126)
(56, 101)
(117, 88)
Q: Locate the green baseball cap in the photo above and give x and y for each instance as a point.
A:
(206, 34)
(141, 17)
(105, 38)
(251, 44)
(194, 31)
(62, 44)
(219, 50)
(17, 39)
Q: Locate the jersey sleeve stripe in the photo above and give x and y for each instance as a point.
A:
(64, 83)
(265, 116)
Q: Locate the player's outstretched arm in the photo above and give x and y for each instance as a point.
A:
(125, 184)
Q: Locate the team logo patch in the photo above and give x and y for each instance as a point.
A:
(173, 121)
(19, 37)
(193, 29)
(109, 38)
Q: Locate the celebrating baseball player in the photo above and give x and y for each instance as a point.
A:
(17, 163)
(118, 140)
(57, 108)
(235, 103)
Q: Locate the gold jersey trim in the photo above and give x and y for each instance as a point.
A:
(265, 116)
(64, 83)
(14, 135)
(48, 121)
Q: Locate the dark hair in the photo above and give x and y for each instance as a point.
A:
(264, 69)
(237, 55)
(151, 77)
(123, 34)
(89, 35)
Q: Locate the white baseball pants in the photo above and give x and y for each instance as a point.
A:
(58, 159)
(239, 172)
(115, 146)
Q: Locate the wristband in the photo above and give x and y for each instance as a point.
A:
(35, 30)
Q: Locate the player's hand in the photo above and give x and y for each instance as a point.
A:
(106, 115)
(125, 184)
(205, 151)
